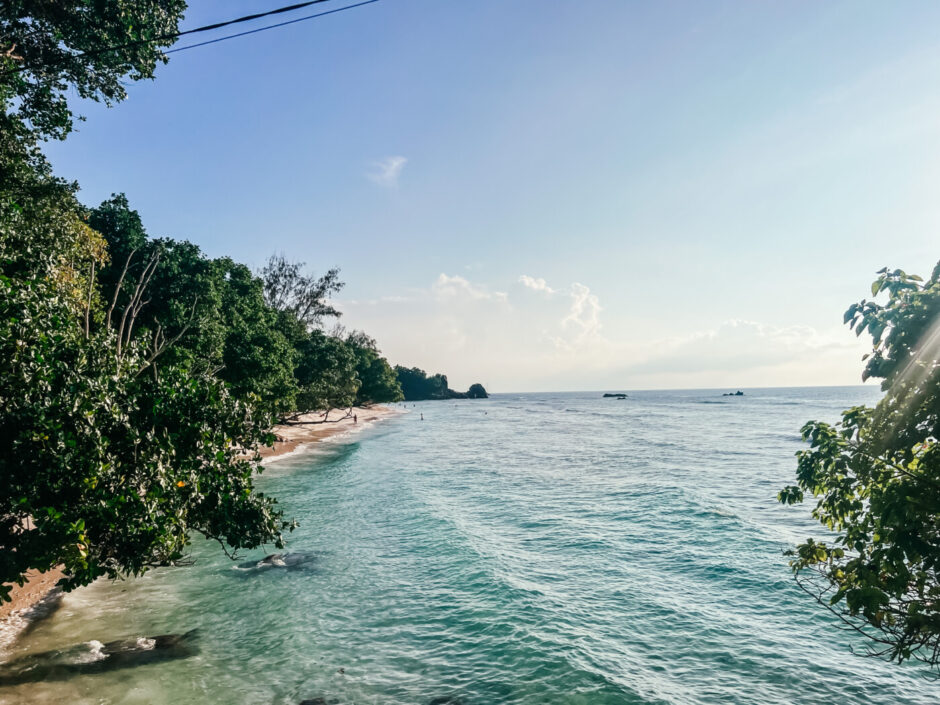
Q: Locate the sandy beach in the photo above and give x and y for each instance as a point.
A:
(293, 436)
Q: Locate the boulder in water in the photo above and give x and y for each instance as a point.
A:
(477, 391)
(292, 560)
(97, 657)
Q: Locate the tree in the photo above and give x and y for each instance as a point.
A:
(876, 480)
(304, 297)
(48, 47)
(258, 358)
(214, 311)
(378, 382)
(111, 457)
(326, 374)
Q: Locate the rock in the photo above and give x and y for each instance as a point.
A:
(477, 391)
(96, 657)
(615, 396)
(447, 700)
(291, 561)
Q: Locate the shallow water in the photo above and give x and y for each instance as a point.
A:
(527, 549)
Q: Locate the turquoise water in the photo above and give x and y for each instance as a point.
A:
(527, 549)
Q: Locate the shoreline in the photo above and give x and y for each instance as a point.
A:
(292, 438)
(37, 596)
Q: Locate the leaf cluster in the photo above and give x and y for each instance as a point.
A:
(876, 480)
(90, 47)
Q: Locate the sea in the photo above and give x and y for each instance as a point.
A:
(527, 549)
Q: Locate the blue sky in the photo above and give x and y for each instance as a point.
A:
(556, 195)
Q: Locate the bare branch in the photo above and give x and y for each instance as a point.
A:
(91, 288)
(134, 305)
(117, 287)
(161, 343)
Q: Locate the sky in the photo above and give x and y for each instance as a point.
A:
(548, 196)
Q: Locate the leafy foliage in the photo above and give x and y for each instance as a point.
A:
(326, 373)
(378, 382)
(416, 385)
(112, 458)
(876, 479)
(91, 47)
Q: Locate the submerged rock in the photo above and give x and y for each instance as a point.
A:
(97, 657)
(289, 561)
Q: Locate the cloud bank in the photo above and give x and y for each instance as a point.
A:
(538, 337)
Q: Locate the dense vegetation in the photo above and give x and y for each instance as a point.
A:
(416, 385)
(876, 479)
(138, 377)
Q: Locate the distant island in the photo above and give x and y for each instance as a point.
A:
(738, 393)
(417, 385)
(618, 395)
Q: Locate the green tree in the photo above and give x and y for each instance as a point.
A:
(258, 358)
(213, 311)
(876, 480)
(48, 48)
(416, 385)
(326, 374)
(378, 382)
(304, 297)
(112, 458)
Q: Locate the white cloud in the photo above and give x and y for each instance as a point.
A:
(536, 284)
(584, 313)
(386, 171)
(517, 342)
(458, 287)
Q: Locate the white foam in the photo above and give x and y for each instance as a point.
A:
(95, 652)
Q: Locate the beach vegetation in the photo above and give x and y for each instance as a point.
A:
(875, 478)
(378, 382)
(51, 50)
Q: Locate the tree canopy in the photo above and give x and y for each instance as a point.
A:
(112, 457)
(417, 385)
(48, 48)
(378, 382)
(876, 480)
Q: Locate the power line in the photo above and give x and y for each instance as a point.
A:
(246, 18)
(209, 27)
(270, 26)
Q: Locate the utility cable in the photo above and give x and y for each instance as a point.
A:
(270, 26)
(209, 27)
